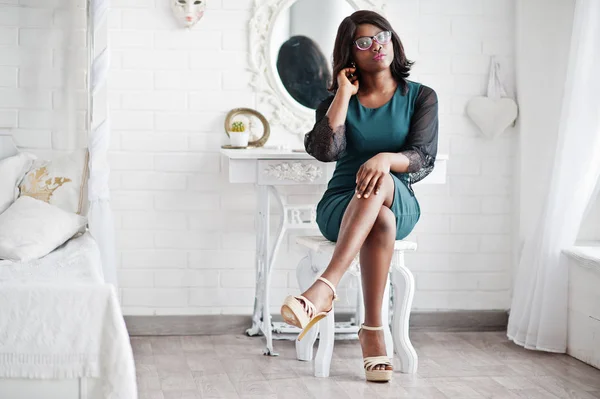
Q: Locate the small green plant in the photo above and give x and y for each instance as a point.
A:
(238, 126)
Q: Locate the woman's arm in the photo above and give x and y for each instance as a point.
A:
(418, 152)
(399, 162)
(339, 107)
(327, 140)
(420, 147)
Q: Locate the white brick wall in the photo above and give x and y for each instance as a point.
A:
(32, 41)
(186, 237)
(464, 235)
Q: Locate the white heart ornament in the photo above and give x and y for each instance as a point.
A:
(492, 116)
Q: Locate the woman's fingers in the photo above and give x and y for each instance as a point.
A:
(372, 184)
(368, 182)
(363, 183)
(359, 174)
(348, 72)
(346, 78)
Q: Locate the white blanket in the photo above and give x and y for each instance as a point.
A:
(78, 260)
(58, 320)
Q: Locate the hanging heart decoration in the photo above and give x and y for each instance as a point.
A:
(496, 111)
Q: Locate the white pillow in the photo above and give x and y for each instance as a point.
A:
(59, 182)
(30, 229)
(12, 170)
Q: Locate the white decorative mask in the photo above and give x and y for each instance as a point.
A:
(188, 12)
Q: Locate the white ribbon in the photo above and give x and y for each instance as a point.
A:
(495, 89)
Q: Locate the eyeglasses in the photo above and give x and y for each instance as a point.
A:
(365, 42)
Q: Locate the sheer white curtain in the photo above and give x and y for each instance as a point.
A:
(58, 107)
(100, 216)
(538, 315)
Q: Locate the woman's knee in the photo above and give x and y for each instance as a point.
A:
(384, 228)
(387, 185)
(388, 188)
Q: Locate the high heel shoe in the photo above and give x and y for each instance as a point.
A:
(302, 313)
(372, 361)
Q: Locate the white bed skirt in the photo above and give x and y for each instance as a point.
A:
(52, 331)
(80, 388)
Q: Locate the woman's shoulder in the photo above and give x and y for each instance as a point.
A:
(423, 95)
(420, 89)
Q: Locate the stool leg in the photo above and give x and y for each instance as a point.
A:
(360, 305)
(385, 319)
(326, 341)
(306, 275)
(404, 289)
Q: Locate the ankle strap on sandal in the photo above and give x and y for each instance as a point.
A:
(371, 328)
(330, 285)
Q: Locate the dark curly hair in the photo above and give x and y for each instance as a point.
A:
(344, 42)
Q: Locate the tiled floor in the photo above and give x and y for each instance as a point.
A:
(451, 365)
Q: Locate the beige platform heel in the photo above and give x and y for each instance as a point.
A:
(372, 361)
(302, 313)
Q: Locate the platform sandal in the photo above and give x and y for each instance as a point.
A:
(302, 313)
(372, 361)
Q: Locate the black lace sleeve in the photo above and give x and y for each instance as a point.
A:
(422, 140)
(323, 142)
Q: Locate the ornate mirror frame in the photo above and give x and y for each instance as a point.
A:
(272, 98)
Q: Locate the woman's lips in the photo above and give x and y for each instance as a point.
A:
(379, 57)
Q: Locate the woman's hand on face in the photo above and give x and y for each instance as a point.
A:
(347, 82)
(371, 174)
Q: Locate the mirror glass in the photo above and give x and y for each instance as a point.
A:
(302, 43)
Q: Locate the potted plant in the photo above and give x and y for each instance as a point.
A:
(239, 134)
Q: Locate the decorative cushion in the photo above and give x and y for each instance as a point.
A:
(31, 229)
(12, 170)
(59, 182)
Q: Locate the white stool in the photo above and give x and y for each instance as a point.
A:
(319, 254)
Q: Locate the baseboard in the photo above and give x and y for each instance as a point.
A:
(445, 321)
(459, 320)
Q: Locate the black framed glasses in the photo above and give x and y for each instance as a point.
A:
(365, 42)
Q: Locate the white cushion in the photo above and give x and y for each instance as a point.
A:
(31, 229)
(7, 146)
(321, 244)
(12, 170)
(59, 182)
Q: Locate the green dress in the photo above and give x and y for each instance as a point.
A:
(369, 131)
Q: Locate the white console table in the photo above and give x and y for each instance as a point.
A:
(268, 168)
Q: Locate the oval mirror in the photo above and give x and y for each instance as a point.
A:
(301, 48)
(290, 54)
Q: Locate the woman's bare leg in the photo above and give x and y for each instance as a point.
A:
(357, 223)
(375, 259)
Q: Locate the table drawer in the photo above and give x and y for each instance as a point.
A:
(291, 171)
